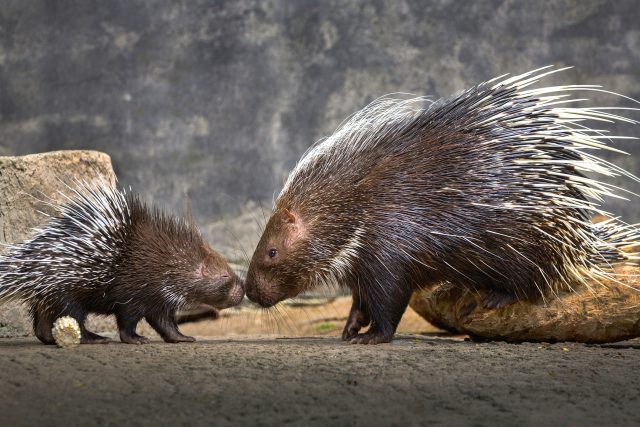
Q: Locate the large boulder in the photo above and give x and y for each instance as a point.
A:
(27, 181)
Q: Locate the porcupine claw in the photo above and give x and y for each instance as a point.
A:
(134, 339)
(358, 319)
(349, 332)
(168, 330)
(89, 337)
(372, 338)
(179, 338)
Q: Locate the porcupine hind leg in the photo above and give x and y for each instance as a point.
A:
(86, 336)
(358, 317)
(167, 327)
(386, 307)
(42, 325)
(496, 299)
(127, 323)
(491, 294)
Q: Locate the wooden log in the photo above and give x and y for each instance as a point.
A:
(601, 314)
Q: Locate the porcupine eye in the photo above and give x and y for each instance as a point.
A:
(273, 252)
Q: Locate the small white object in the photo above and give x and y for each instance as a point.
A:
(66, 332)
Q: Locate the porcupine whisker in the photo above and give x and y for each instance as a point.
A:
(274, 327)
(241, 248)
(286, 317)
(274, 312)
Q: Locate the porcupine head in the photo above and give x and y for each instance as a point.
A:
(200, 274)
(493, 189)
(282, 257)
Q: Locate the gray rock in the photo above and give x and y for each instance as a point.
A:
(28, 183)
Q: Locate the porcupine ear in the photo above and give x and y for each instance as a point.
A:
(297, 229)
(289, 217)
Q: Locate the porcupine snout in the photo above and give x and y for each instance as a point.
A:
(236, 289)
(251, 287)
(220, 287)
(265, 292)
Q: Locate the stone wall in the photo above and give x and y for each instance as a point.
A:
(215, 101)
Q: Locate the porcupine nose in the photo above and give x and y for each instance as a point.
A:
(253, 293)
(253, 285)
(236, 288)
(249, 286)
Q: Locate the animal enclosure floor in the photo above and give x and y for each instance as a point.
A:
(325, 319)
(428, 380)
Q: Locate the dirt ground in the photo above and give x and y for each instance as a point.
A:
(292, 320)
(427, 379)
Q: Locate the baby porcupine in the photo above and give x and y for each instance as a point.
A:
(491, 189)
(106, 252)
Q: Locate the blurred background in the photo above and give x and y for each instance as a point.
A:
(215, 101)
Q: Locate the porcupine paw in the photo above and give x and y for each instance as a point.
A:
(352, 328)
(494, 299)
(357, 320)
(371, 338)
(349, 332)
(134, 339)
(91, 338)
(179, 338)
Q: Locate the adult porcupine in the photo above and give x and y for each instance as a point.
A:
(105, 251)
(491, 189)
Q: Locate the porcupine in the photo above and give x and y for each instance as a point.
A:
(491, 189)
(106, 251)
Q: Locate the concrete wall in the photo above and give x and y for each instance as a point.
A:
(218, 99)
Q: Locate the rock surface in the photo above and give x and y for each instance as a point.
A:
(27, 181)
(598, 314)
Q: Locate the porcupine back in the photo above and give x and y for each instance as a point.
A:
(493, 188)
(103, 247)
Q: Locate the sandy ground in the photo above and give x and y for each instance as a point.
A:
(429, 379)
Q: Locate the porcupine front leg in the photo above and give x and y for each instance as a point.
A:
(358, 317)
(167, 327)
(127, 323)
(88, 337)
(386, 305)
